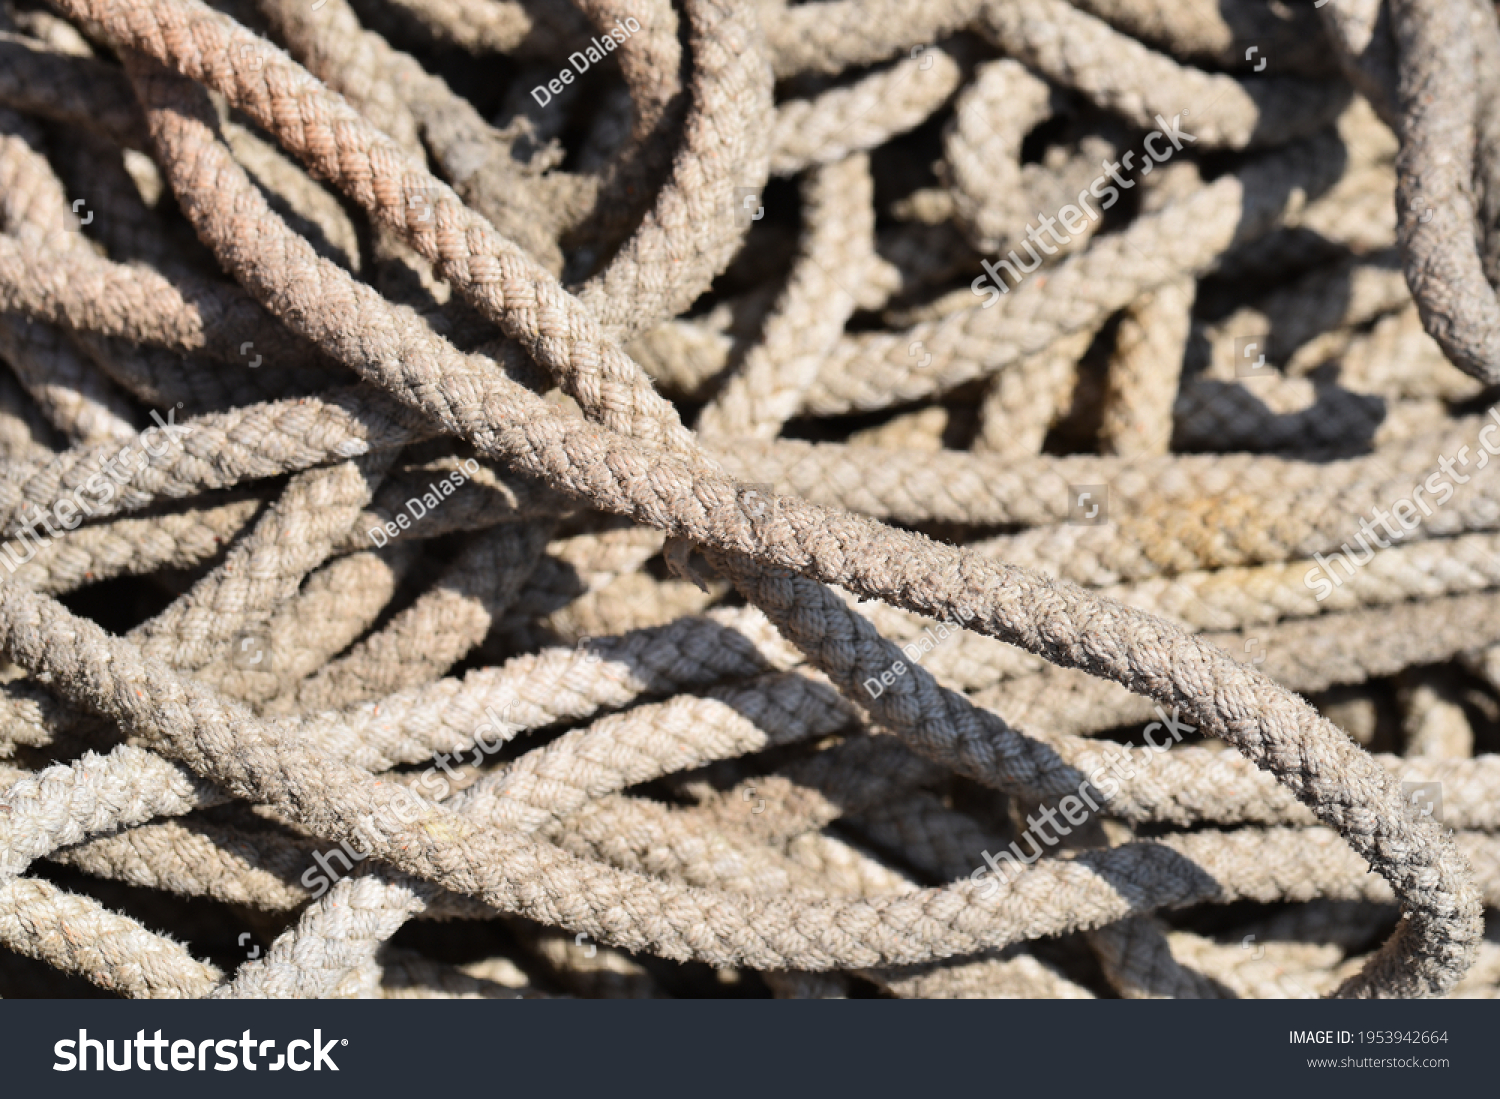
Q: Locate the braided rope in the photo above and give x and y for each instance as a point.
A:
(838, 247)
(409, 276)
(1117, 72)
(1388, 967)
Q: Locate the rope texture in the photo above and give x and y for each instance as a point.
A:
(432, 607)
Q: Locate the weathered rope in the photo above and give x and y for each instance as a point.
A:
(802, 691)
(1386, 960)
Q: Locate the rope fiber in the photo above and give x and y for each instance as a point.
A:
(1068, 394)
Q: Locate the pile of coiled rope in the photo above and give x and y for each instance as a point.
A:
(376, 625)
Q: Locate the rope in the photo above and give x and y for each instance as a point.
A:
(495, 639)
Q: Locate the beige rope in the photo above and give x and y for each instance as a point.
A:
(802, 695)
